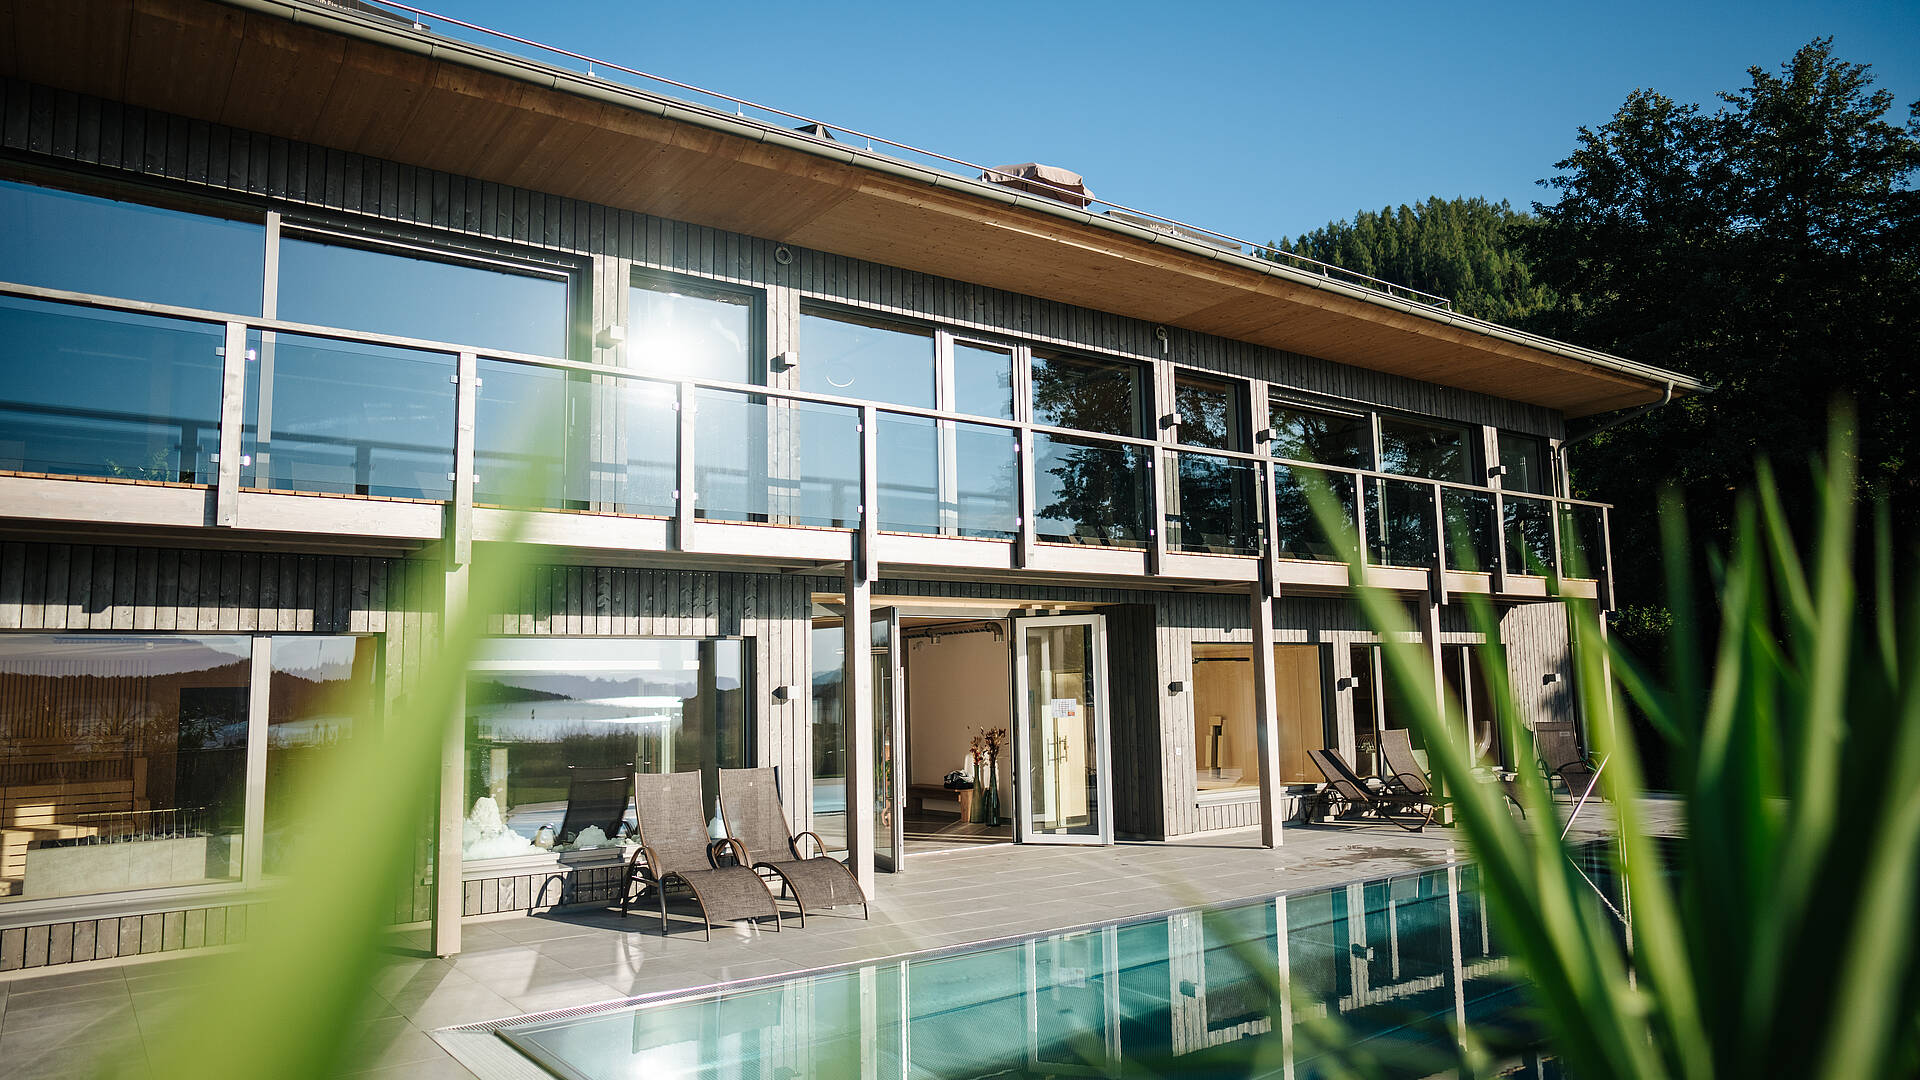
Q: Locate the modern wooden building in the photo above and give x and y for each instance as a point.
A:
(833, 458)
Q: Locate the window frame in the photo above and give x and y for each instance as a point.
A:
(1368, 418)
(1471, 438)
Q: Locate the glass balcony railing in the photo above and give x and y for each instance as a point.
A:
(1217, 505)
(1529, 535)
(348, 418)
(1089, 491)
(86, 392)
(1468, 517)
(358, 417)
(1400, 522)
(1297, 530)
(1582, 541)
(947, 477)
(766, 459)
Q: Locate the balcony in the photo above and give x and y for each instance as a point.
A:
(200, 419)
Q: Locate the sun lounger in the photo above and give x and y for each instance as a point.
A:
(1396, 749)
(1562, 759)
(1345, 787)
(761, 838)
(596, 797)
(676, 851)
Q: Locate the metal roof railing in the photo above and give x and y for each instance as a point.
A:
(830, 134)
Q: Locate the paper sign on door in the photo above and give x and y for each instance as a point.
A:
(1065, 708)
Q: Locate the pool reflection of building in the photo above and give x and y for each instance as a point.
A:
(1397, 963)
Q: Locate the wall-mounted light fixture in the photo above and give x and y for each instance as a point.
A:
(1160, 334)
(1265, 434)
(1171, 420)
(786, 361)
(1177, 686)
(1550, 678)
(1345, 682)
(783, 694)
(1497, 470)
(783, 255)
(610, 337)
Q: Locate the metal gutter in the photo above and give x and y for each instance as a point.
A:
(422, 43)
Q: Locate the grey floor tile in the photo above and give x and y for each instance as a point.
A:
(391, 1041)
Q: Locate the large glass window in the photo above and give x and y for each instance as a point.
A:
(542, 712)
(873, 361)
(1433, 451)
(323, 694)
(691, 331)
(122, 762)
(484, 306)
(1209, 411)
(1226, 748)
(1328, 438)
(1525, 459)
(63, 240)
(829, 734)
(982, 380)
(1102, 396)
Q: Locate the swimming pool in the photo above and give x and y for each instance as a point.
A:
(1397, 962)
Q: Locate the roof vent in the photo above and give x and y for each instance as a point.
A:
(1046, 181)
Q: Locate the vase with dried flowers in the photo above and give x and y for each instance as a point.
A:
(986, 751)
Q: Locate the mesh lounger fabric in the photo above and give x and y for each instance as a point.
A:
(674, 830)
(750, 801)
(1390, 805)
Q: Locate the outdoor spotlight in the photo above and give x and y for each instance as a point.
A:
(1171, 420)
(1177, 686)
(1497, 470)
(1550, 678)
(610, 337)
(786, 361)
(1345, 682)
(783, 694)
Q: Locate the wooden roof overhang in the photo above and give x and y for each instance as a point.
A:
(347, 81)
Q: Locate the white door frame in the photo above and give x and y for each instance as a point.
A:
(1102, 731)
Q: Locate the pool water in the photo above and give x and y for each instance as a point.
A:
(1244, 990)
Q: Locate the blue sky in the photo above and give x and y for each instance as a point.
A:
(1257, 119)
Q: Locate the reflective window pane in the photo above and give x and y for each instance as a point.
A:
(334, 416)
(122, 762)
(1528, 467)
(542, 713)
(986, 466)
(1582, 541)
(102, 393)
(829, 735)
(1209, 412)
(868, 361)
(1089, 492)
(909, 473)
(323, 695)
(1225, 736)
(1106, 397)
(692, 333)
(390, 293)
(1433, 451)
(59, 240)
(636, 471)
(982, 380)
(1327, 438)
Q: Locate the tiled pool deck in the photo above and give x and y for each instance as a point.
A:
(52, 1024)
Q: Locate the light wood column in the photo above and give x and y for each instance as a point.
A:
(856, 682)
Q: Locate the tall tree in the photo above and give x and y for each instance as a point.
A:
(1463, 249)
(1772, 248)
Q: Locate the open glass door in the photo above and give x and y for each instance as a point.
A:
(1065, 793)
(889, 742)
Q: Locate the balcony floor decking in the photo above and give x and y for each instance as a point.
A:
(52, 1024)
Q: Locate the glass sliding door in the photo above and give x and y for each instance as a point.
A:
(889, 742)
(1061, 754)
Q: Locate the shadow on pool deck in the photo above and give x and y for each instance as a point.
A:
(52, 1024)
